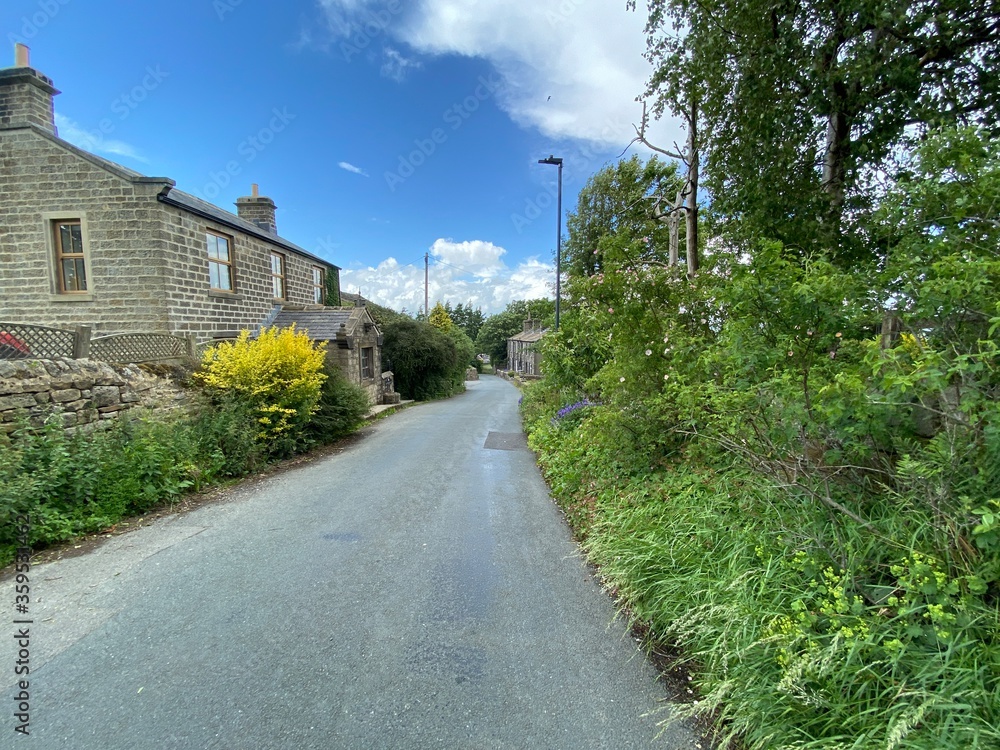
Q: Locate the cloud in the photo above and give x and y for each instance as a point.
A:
(94, 141)
(476, 257)
(586, 56)
(483, 280)
(351, 168)
(395, 66)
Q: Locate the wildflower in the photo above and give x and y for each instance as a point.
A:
(611, 310)
(649, 352)
(838, 334)
(791, 354)
(621, 379)
(703, 321)
(666, 377)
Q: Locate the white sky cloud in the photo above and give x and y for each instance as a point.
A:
(395, 65)
(94, 141)
(347, 166)
(485, 279)
(586, 56)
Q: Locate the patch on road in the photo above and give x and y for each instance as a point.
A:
(460, 663)
(506, 441)
(342, 536)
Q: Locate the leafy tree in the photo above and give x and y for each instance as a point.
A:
(496, 329)
(426, 362)
(806, 104)
(619, 201)
(468, 319)
(440, 319)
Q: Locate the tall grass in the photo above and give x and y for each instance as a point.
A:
(802, 628)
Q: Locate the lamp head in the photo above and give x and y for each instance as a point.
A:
(551, 160)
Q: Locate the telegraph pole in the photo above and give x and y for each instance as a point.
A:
(427, 310)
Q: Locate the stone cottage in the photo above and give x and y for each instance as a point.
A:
(522, 354)
(86, 241)
(354, 342)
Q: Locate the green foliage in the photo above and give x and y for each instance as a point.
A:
(426, 362)
(467, 319)
(793, 484)
(332, 293)
(786, 89)
(342, 407)
(616, 203)
(76, 483)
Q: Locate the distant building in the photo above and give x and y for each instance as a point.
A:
(522, 354)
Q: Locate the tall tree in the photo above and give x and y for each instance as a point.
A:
(805, 103)
(440, 319)
(618, 200)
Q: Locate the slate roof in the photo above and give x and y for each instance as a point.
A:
(321, 325)
(529, 338)
(179, 198)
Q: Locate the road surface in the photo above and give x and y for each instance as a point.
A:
(416, 590)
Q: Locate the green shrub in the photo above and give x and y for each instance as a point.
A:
(85, 481)
(342, 407)
(806, 507)
(424, 361)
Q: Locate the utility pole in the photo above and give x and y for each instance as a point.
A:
(558, 162)
(427, 310)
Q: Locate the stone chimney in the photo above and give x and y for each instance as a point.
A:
(258, 210)
(529, 326)
(25, 94)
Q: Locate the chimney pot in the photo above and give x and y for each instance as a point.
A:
(255, 190)
(22, 56)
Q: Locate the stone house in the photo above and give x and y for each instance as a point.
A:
(88, 241)
(522, 354)
(85, 241)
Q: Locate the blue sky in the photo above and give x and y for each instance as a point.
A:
(383, 130)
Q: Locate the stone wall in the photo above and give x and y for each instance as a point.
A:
(80, 391)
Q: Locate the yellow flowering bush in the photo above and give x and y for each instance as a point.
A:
(279, 374)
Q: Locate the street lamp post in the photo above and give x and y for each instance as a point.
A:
(559, 162)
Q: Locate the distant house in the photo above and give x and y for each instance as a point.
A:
(523, 356)
(85, 241)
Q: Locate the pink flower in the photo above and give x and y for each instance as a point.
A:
(611, 310)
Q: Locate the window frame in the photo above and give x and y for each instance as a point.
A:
(279, 279)
(319, 286)
(371, 363)
(57, 255)
(229, 265)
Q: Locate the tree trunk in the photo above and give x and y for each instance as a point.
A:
(673, 224)
(692, 189)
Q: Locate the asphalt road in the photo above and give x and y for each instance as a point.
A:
(417, 590)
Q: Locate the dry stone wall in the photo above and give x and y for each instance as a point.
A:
(81, 392)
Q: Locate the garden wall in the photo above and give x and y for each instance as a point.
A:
(81, 391)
